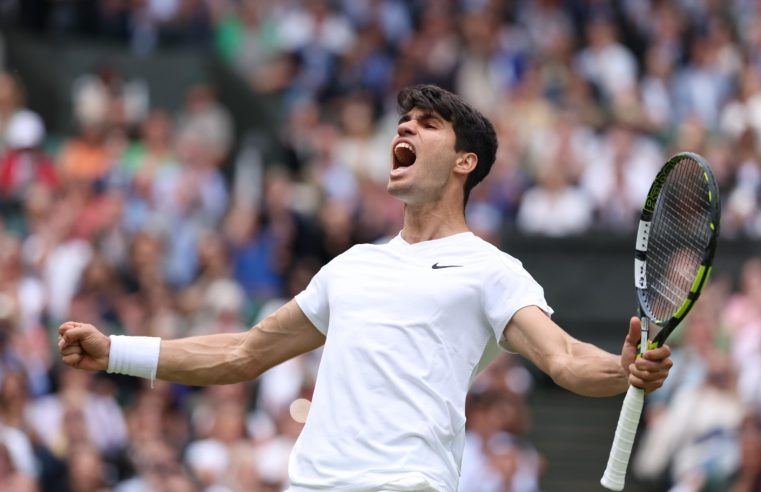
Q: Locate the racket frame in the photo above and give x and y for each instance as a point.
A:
(667, 326)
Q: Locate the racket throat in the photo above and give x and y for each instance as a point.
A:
(644, 334)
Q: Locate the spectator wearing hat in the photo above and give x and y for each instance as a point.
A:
(24, 165)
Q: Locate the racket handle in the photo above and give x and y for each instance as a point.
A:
(628, 420)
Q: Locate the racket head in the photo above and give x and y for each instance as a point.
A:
(676, 241)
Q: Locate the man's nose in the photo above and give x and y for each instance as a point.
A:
(406, 128)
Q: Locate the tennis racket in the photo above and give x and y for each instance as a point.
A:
(676, 242)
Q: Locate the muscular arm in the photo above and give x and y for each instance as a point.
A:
(211, 359)
(235, 357)
(582, 367)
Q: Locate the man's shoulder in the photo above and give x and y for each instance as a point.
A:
(489, 252)
(493, 260)
(362, 248)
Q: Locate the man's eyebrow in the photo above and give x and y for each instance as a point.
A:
(421, 116)
(430, 115)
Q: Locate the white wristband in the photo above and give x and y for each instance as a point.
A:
(134, 356)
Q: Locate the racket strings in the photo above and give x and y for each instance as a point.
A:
(680, 234)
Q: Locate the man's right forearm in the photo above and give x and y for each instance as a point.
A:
(205, 360)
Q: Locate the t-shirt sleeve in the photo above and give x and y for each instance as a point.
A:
(507, 290)
(313, 301)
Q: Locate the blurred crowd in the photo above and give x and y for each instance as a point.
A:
(703, 428)
(149, 222)
(589, 97)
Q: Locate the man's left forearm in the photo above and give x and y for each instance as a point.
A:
(590, 371)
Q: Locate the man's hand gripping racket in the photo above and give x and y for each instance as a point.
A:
(676, 242)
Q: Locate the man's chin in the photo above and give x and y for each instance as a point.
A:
(396, 190)
(402, 193)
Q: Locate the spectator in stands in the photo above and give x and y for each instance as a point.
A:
(11, 101)
(248, 38)
(190, 198)
(496, 456)
(604, 61)
(618, 175)
(85, 158)
(487, 66)
(323, 170)
(695, 441)
(209, 457)
(144, 158)
(366, 67)
(156, 465)
(10, 476)
(208, 121)
(554, 207)
(393, 18)
(656, 90)
(693, 354)
(318, 34)
(360, 147)
(122, 101)
(433, 48)
(743, 320)
(742, 203)
(78, 414)
(86, 469)
(98, 294)
(16, 438)
(24, 164)
(700, 89)
(748, 476)
(253, 255)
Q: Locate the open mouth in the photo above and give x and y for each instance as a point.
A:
(404, 155)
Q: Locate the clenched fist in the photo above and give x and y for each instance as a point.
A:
(82, 346)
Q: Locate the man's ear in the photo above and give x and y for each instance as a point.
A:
(466, 163)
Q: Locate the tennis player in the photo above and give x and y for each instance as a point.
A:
(404, 325)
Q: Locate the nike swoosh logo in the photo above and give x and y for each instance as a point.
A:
(436, 266)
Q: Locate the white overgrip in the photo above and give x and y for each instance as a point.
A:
(626, 430)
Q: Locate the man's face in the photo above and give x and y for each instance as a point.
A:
(422, 157)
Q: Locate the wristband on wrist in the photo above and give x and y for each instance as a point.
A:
(134, 356)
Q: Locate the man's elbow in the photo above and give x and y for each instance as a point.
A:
(558, 368)
(566, 373)
(246, 366)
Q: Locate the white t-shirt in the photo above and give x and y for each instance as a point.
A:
(406, 326)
